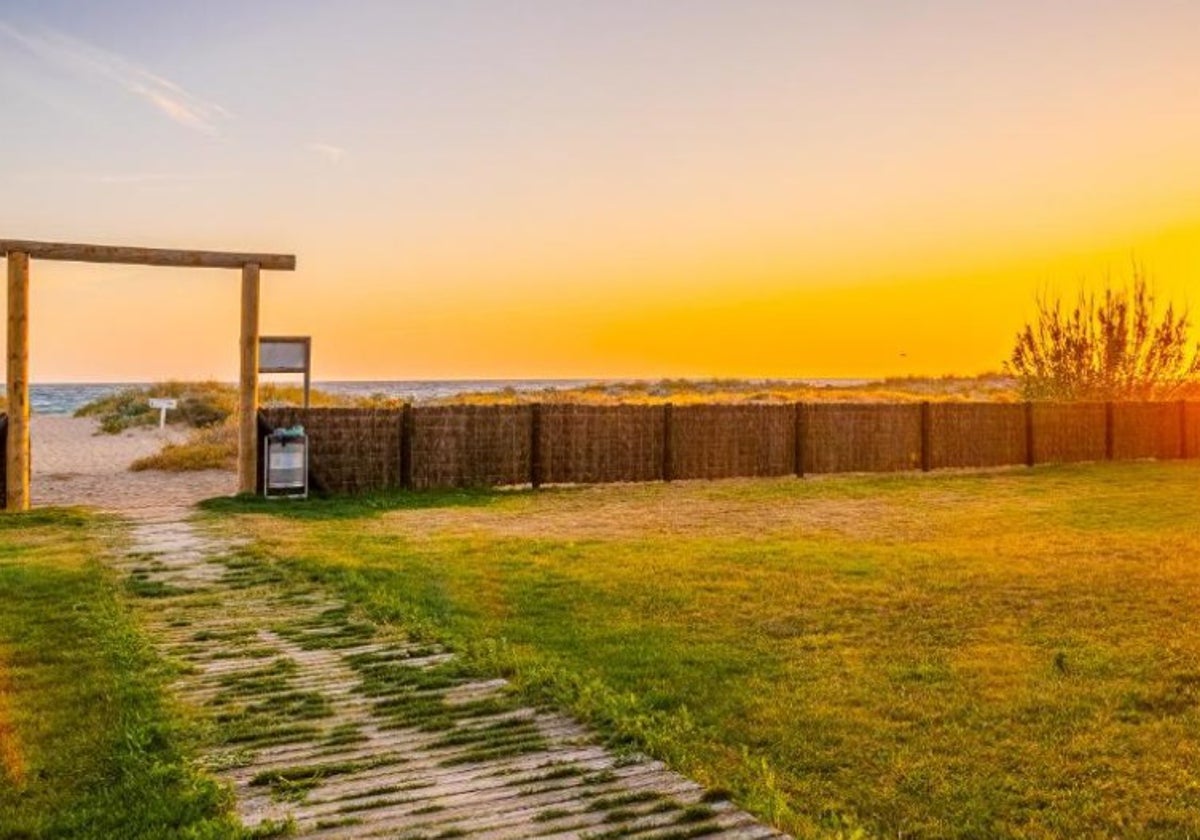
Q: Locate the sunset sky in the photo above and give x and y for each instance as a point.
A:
(614, 188)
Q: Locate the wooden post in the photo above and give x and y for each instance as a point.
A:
(666, 444)
(1183, 430)
(535, 445)
(1029, 454)
(801, 439)
(926, 431)
(248, 396)
(1109, 440)
(406, 436)
(17, 466)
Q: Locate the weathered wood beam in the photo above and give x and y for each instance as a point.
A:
(146, 256)
(17, 466)
(248, 397)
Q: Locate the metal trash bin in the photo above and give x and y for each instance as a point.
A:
(285, 467)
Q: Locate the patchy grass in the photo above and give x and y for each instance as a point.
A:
(214, 448)
(88, 747)
(998, 654)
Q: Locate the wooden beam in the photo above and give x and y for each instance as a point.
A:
(146, 256)
(248, 394)
(17, 466)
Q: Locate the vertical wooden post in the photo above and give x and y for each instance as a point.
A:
(1183, 430)
(801, 439)
(667, 455)
(406, 437)
(1029, 454)
(17, 466)
(1109, 440)
(535, 445)
(926, 431)
(248, 392)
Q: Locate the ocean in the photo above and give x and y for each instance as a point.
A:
(66, 397)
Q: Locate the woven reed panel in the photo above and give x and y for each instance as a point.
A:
(3, 460)
(350, 450)
(976, 435)
(726, 441)
(844, 437)
(471, 445)
(586, 444)
(1068, 432)
(1146, 430)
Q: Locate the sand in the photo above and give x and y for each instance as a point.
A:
(75, 464)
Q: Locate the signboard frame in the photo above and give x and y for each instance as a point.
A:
(305, 367)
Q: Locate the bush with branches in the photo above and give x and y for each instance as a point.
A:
(1113, 346)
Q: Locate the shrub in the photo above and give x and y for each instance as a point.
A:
(1115, 346)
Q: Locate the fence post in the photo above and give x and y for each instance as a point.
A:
(1109, 442)
(1029, 454)
(1183, 430)
(926, 449)
(535, 445)
(263, 428)
(666, 447)
(406, 436)
(801, 438)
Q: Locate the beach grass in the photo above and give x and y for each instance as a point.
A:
(1004, 654)
(89, 746)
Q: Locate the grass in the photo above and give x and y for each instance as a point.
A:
(998, 654)
(88, 746)
(213, 448)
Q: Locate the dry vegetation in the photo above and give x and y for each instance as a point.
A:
(1005, 654)
(986, 387)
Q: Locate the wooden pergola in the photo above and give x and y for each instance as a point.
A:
(20, 252)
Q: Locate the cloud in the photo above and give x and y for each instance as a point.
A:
(88, 61)
(121, 177)
(333, 154)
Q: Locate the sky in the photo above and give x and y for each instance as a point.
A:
(615, 188)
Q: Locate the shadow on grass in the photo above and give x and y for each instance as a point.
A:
(355, 507)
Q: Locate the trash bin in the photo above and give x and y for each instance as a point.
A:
(285, 467)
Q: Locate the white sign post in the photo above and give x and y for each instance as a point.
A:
(163, 406)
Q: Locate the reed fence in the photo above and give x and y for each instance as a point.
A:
(3, 459)
(360, 450)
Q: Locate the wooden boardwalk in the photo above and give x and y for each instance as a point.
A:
(324, 722)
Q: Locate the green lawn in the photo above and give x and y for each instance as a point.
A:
(88, 746)
(1003, 654)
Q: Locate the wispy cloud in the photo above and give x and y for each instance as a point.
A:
(90, 61)
(122, 178)
(331, 153)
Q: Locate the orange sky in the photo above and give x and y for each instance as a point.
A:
(597, 189)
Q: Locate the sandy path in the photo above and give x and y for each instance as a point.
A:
(74, 464)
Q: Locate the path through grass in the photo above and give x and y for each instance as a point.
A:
(1006, 654)
(88, 746)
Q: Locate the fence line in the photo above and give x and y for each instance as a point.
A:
(3, 459)
(358, 450)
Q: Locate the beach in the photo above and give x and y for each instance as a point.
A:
(76, 464)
